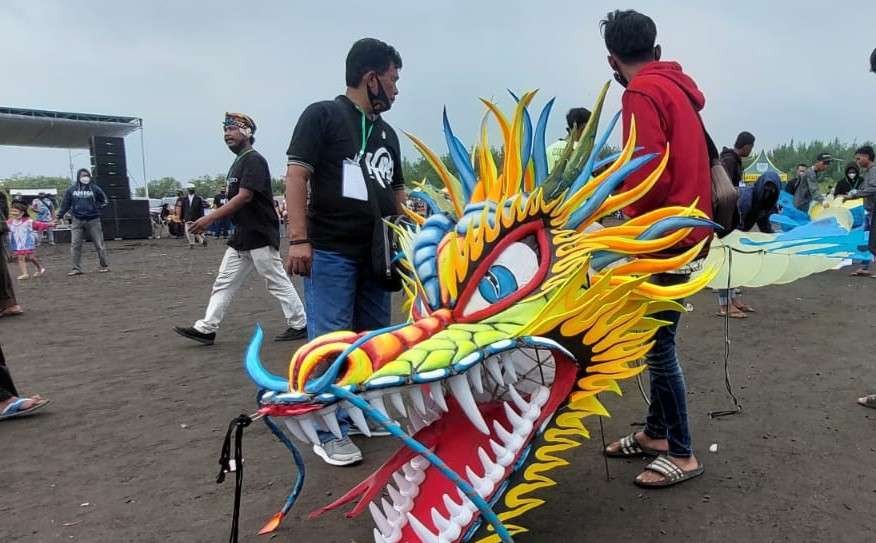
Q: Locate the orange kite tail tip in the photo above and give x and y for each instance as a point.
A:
(272, 524)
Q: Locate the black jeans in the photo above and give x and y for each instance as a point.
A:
(7, 387)
(667, 415)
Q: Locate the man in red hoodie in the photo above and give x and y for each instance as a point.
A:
(664, 102)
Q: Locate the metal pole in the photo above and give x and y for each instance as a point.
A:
(143, 161)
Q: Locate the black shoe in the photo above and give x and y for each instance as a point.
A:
(191, 333)
(291, 334)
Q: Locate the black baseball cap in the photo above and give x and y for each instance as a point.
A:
(824, 157)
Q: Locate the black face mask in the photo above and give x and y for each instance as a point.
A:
(380, 100)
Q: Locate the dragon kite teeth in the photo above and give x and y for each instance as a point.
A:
(521, 309)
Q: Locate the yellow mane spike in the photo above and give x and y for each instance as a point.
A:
(512, 168)
(414, 216)
(500, 118)
(660, 265)
(619, 201)
(575, 200)
(454, 188)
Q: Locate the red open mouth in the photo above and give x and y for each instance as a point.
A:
(481, 429)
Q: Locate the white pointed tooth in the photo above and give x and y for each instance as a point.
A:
(540, 396)
(378, 537)
(401, 503)
(295, 428)
(463, 395)
(379, 519)
(459, 514)
(425, 535)
(413, 475)
(309, 428)
(331, 422)
(512, 441)
(510, 372)
(420, 463)
(438, 394)
(392, 516)
(492, 365)
(482, 485)
(520, 425)
(416, 394)
(521, 404)
(440, 522)
(358, 418)
(477, 381)
(492, 471)
(407, 488)
(377, 403)
(417, 423)
(466, 501)
(396, 399)
(504, 457)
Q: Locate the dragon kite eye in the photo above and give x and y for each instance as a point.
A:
(511, 272)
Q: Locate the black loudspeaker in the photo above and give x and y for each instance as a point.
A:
(126, 228)
(102, 146)
(126, 209)
(117, 193)
(107, 181)
(109, 169)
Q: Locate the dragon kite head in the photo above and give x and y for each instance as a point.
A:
(522, 309)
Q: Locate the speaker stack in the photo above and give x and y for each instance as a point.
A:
(123, 218)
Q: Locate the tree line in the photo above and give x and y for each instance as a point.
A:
(785, 157)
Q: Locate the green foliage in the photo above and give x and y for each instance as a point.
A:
(19, 181)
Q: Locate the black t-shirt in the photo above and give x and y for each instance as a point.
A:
(326, 134)
(256, 223)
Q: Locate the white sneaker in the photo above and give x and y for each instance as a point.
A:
(339, 452)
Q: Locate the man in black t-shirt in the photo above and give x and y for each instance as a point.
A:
(255, 243)
(344, 153)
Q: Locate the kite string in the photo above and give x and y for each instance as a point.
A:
(727, 383)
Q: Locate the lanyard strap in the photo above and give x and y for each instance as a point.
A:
(365, 137)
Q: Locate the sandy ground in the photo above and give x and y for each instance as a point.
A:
(128, 449)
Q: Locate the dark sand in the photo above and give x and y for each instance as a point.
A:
(128, 449)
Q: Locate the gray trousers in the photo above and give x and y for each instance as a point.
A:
(77, 236)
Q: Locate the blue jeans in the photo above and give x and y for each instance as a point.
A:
(667, 415)
(339, 294)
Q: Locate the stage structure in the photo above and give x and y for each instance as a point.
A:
(104, 137)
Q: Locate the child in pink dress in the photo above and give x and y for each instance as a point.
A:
(22, 238)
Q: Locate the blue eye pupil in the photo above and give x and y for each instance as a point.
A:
(498, 283)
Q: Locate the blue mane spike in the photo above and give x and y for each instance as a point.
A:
(460, 158)
(539, 153)
(671, 224)
(585, 174)
(605, 190)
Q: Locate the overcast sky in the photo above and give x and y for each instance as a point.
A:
(780, 69)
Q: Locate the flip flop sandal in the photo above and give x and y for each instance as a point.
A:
(17, 409)
(630, 448)
(746, 309)
(672, 474)
(732, 315)
(868, 401)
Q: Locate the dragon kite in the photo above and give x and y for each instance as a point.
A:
(522, 309)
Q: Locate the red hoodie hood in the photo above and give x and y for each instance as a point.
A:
(673, 72)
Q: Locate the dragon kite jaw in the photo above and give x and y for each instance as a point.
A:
(521, 310)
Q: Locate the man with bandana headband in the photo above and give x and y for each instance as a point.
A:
(344, 166)
(255, 243)
(83, 200)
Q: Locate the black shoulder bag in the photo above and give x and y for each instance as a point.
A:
(384, 239)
